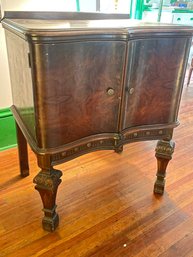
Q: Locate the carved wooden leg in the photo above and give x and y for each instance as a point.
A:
(22, 152)
(164, 151)
(119, 149)
(47, 182)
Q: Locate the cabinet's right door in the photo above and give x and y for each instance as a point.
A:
(154, 80)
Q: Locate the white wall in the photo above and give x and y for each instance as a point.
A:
(5, 88)
(30, 5)
(38, 5)
(23, 5)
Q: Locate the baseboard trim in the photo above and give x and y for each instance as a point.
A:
(7, 130)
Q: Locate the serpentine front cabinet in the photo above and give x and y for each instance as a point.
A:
(86, 82)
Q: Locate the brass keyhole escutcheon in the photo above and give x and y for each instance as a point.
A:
(110, 91)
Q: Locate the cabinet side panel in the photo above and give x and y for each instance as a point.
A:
(78, 89)
(154, 80)
(21, 80)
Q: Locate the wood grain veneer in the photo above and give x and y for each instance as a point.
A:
(92, 83)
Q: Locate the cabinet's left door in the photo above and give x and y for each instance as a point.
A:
(78, 89)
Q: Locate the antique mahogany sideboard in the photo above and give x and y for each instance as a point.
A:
(86, 82)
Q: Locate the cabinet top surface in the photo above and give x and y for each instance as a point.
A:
(123, 28)
(66, 25)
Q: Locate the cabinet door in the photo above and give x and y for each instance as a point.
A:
(78, 89)
(154, 81)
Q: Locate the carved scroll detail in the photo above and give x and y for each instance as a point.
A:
(48, 180)
(165, 149)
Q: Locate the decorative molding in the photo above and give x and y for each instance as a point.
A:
(116, 143)
(48, 180)
(7, 130)
(165, 149)
(5, 112)
(98, 141)
(148, 133)
(90, 146)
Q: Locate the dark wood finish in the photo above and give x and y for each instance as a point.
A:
(23, 153)
(94, 84)
(105, 202)
(90, 106)
(119, 149)
(152, 98)
(164, 151)
(47, 182)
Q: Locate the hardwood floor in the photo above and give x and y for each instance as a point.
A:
(105, 203)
